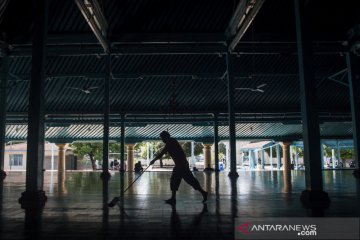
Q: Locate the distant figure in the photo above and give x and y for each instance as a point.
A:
(116, 163)
(208, 168)
(112, 164)
(259, 161)
(352, 164)
(138, 168)
(181, 169)
(195, 169)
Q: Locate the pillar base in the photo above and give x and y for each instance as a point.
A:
(2, 174)
(356, 173)
(315, 199)
(33, 200)
(233, 174)
(105, 176)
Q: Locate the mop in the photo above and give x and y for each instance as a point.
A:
(117, 199)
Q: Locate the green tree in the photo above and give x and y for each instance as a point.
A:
(347, 153)
(198, 148)
(93, 150)
(222, 151)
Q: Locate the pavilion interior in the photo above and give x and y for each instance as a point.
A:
(123, 71)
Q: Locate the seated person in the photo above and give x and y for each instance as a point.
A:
(195, 169)
(116, 165)
(138, 167)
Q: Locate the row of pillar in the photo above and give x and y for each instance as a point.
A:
(254, 156)
(311, 133)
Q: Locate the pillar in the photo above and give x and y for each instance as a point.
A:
(3, 96)
(227, 156)
(242, 159)
(147, 154)
(61, 153)
(296, 158)
(313, 195)
(231, 110)
(207, 155)
(353, 66)
(252, 159)
(34, 197)
(216, 142)
(151, 151)
(52, 157)
(322, 155)
(130, 157)
(61, 168)
(256, 157)
(286, 156)
(105, 175)
(263, 159)
(287, 167)
(333, 157)
(278, 157)
(192, 154)
(271, 159)
(122, 144)
(338, 152)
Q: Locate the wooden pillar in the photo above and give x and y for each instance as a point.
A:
(287, 167)
(130, 157)
(34, 197)
(311, 131)
(207, 155)
(61, 161)
(62, 168)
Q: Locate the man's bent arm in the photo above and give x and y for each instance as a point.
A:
(158, 156)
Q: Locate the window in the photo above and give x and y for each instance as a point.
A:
(16, 159)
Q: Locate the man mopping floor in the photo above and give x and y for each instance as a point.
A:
(181, 169)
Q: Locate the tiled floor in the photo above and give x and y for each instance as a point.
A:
(74, 209)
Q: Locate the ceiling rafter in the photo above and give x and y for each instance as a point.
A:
(242, 18)
(94, 16)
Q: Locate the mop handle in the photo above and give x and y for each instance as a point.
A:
(136, 179)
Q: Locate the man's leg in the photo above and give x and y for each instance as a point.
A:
(191, 180)
(174, 185)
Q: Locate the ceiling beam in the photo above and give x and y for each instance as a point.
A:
(94, 16)
(126, 49)
(242, 18)
(203, 120)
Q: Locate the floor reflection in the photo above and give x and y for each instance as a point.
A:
(76, 205)
(62, 190)
(1, 205)
(105, 217)
(33, 224)
(234, 197)
(287, 187)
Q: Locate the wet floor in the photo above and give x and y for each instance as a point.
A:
(74, 209)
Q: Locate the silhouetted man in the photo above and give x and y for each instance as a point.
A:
(181, 169)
